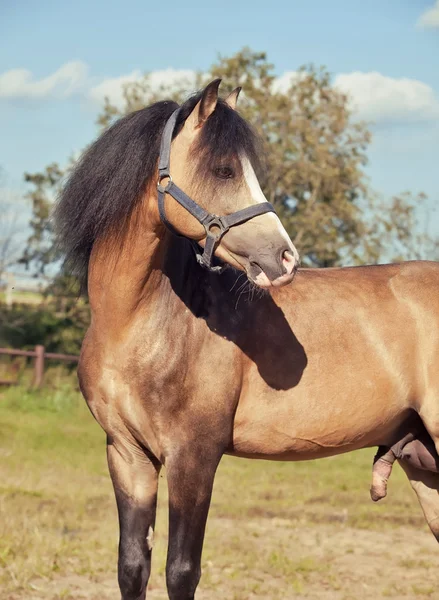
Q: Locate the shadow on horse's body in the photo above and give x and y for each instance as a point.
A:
(180, 366)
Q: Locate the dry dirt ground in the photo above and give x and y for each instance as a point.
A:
(331, 562)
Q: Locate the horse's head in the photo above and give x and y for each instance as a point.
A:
(212, 159)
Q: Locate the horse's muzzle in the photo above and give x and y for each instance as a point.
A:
(267, 278)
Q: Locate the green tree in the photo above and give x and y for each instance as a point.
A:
(12, 228)
(316, 152)
(40, 250)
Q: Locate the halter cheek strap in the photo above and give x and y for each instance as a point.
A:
(214, 226)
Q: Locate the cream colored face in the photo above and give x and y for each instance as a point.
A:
(261, 247)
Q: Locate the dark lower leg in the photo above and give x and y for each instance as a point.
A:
(190, 481)
(135, 478)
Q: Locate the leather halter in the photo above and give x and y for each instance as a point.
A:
(214, 225)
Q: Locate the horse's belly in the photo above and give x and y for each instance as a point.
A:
(312, 422)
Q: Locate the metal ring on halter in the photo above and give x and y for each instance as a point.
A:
(215, 221)
(159, 182)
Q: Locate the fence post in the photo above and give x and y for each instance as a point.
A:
(39, 366)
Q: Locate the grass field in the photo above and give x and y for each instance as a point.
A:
(276, 530)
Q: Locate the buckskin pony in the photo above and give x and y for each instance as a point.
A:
(178, 371)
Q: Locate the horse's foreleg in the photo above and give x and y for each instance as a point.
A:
(135, 478)
(426, 486)
(190, 475)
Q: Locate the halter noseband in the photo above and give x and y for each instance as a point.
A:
(214, 225)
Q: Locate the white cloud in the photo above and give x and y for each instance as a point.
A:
(169, 79)
(112, 88)
(20, 83)
(377, 97)
(430, 17)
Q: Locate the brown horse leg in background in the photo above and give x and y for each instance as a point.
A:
(426, 487)
(425, 483)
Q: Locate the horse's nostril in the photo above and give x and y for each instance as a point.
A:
(288, 261)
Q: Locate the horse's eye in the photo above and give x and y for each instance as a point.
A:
(224, 172)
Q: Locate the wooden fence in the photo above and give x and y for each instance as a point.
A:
(40, 357)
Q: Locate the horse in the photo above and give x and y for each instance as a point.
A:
(161, 219)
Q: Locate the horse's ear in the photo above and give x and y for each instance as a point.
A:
(232, 98)
(205, 106)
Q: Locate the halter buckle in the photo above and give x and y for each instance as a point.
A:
(213, 221)
(201, 260)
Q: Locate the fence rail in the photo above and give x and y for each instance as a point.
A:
(40, 355)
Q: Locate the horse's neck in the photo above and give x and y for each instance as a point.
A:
(123, 271)
(145, 273)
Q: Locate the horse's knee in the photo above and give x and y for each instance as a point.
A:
(182, 578)
(133, 574)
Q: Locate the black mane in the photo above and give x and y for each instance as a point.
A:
(113, 173)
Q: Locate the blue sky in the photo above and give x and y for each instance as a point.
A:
(57, 60)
